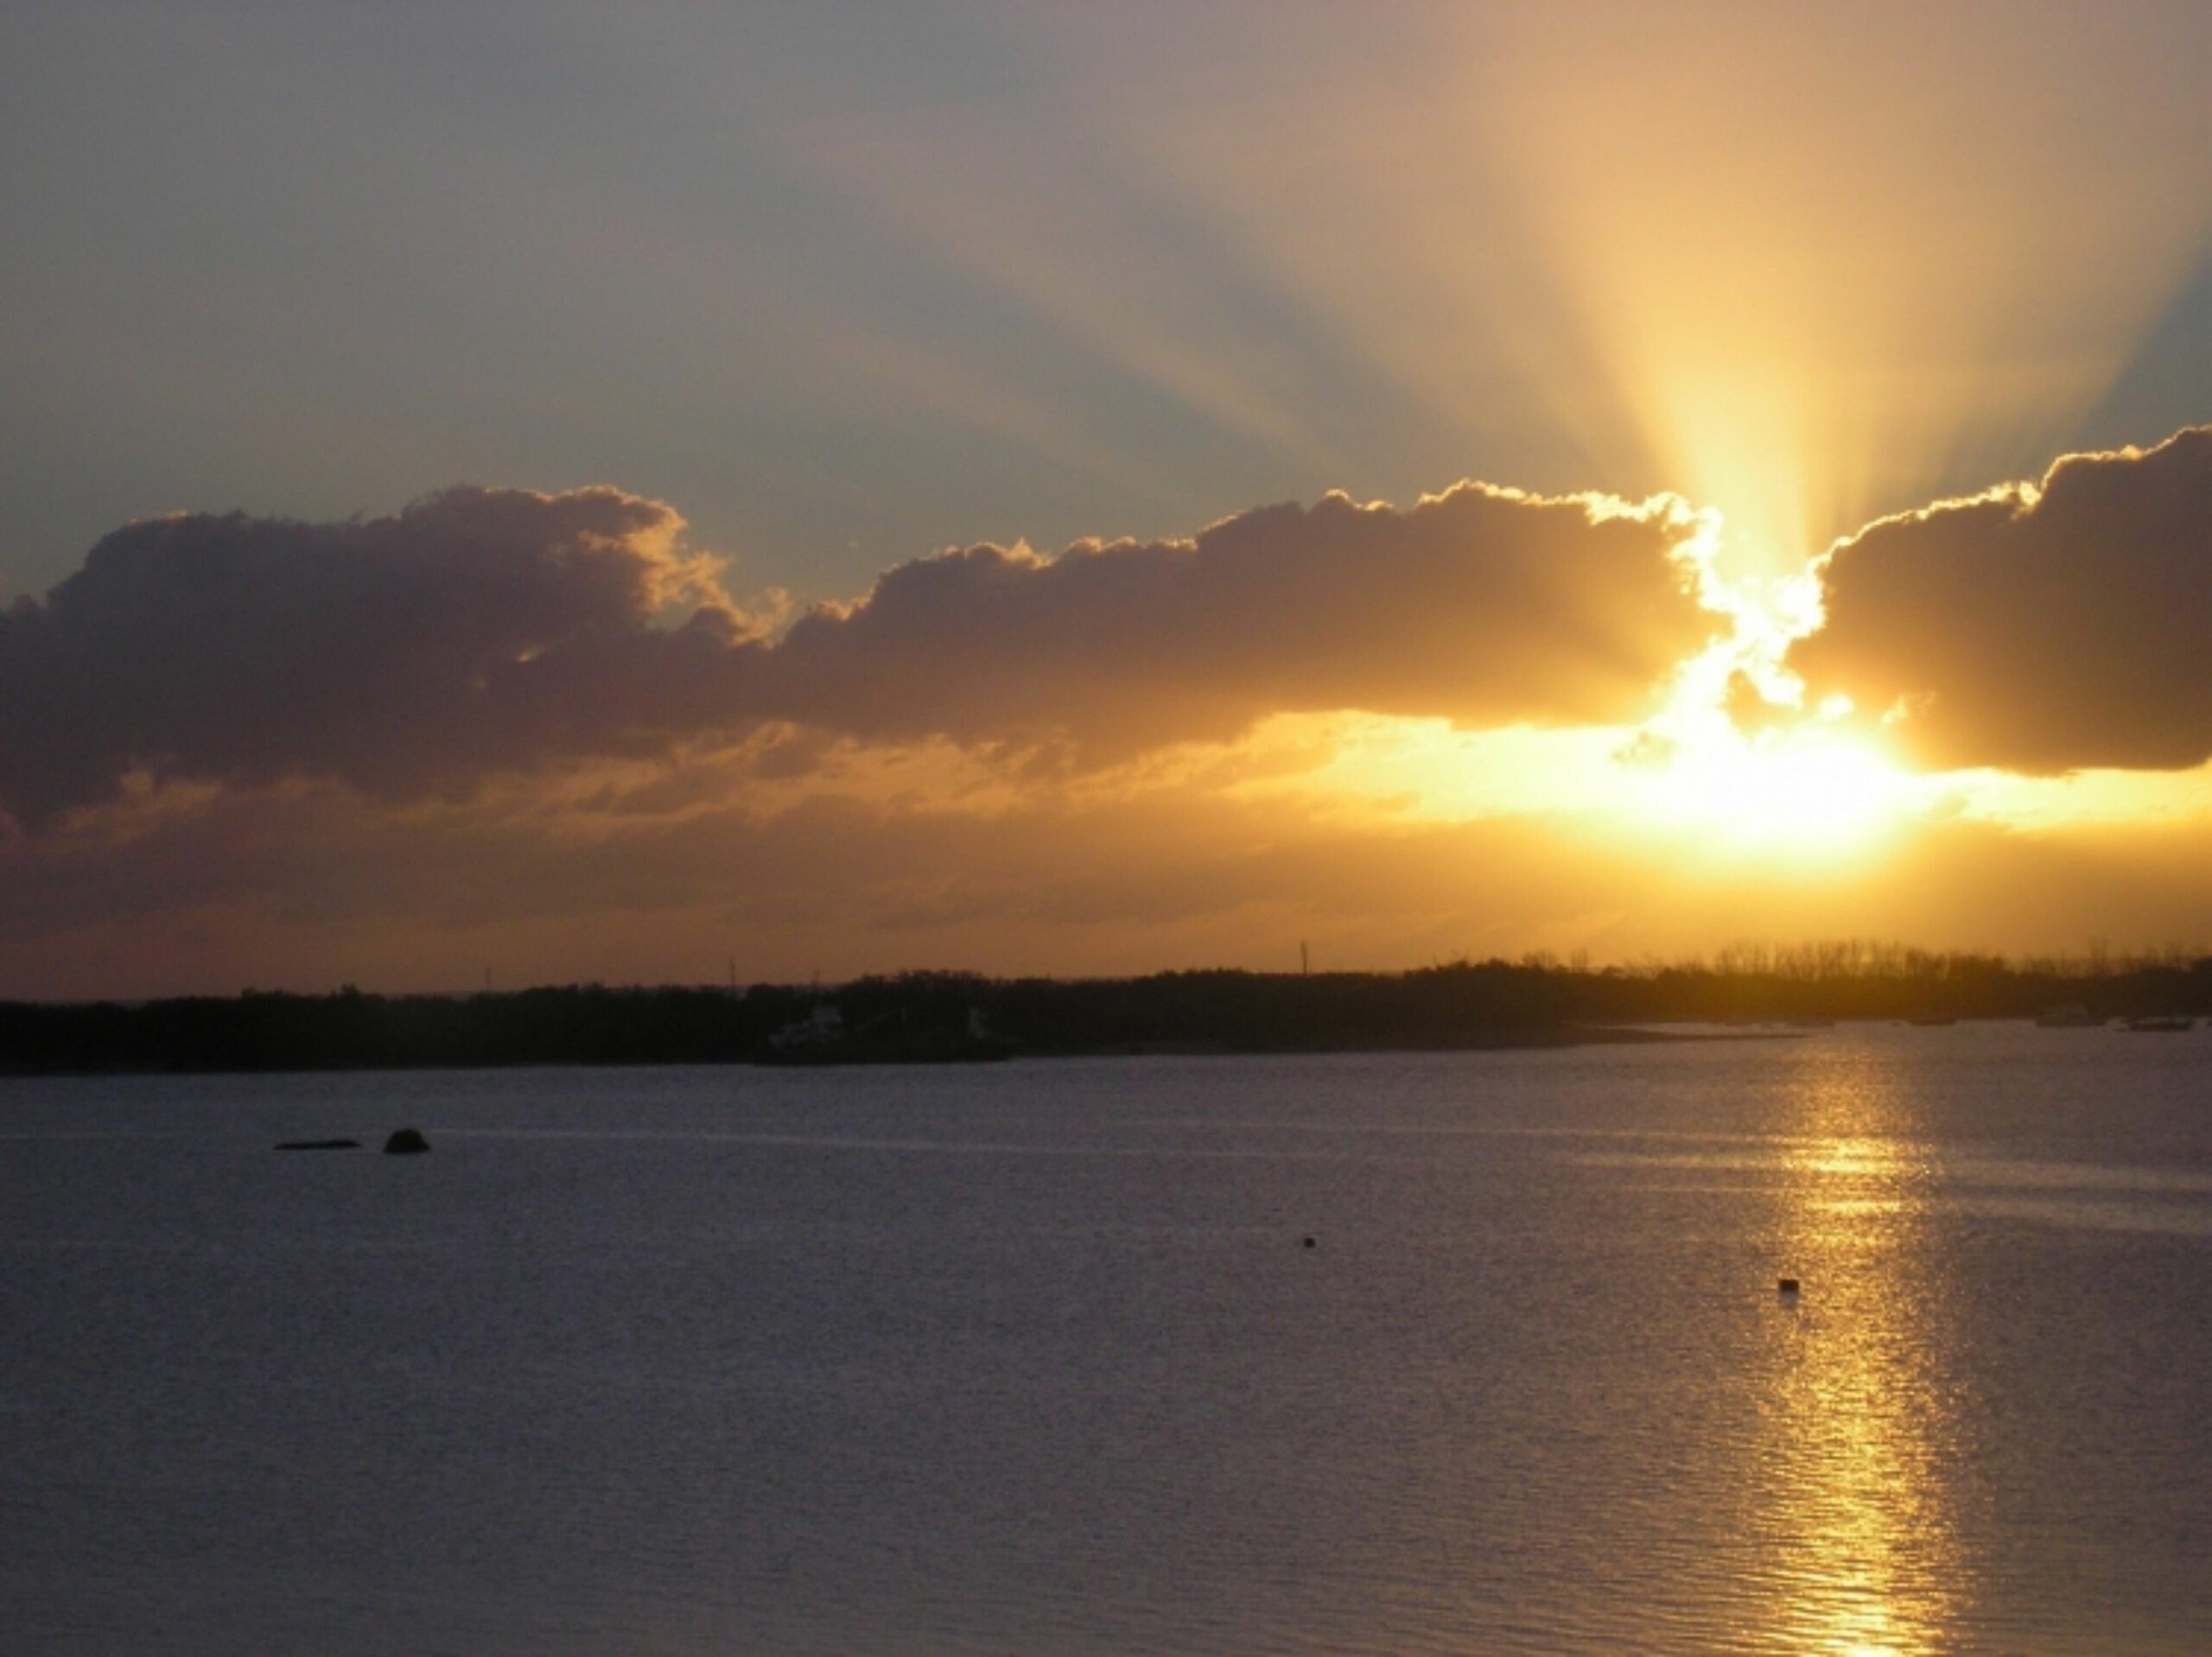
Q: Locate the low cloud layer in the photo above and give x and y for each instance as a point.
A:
(1481, 605)
(486, 631)
(478, 630)
(2038, 630)
(530, 732)
(308, 886)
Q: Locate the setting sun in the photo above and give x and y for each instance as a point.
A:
(1806, 791)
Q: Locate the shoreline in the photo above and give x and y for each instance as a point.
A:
(1517, 1041)
(960, 1018)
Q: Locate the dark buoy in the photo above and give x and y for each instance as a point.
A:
(1787, 1288)
(318, 1145)
(406, 1142)
(1309, 1242)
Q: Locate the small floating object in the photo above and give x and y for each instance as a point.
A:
(1787, 1288)
(1309, 1242)
(406, 1142)
(318, 1145)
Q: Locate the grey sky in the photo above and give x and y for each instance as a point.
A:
(842, 283)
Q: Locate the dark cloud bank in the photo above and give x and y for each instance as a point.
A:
(488, 630)
(480, 633)
(2040, 630)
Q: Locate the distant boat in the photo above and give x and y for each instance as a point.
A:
(2067, 1015)
(822, 1030)
(824, 1037)
(2159, 1026)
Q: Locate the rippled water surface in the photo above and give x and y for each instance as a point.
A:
(1033, 1357)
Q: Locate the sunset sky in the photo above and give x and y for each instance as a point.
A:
(608, 492)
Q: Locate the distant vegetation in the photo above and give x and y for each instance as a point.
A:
(1535, 1000)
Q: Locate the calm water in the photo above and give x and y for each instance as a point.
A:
(1031, 1358)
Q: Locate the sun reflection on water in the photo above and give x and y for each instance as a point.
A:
(1854, 1509)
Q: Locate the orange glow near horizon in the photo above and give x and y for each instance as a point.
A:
(1805, 786)
(1807, 791)
(1809, 795)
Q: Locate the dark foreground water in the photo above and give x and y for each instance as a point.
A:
(1032, 1358)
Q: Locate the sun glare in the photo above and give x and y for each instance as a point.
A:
(1806, 789)
(1779, 777)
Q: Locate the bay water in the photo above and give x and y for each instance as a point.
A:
(1389, 1352)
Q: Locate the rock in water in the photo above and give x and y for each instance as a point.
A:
(406, 1142)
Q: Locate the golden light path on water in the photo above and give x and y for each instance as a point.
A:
(1850, 1488)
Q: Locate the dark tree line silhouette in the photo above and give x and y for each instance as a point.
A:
(1535, 1000)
